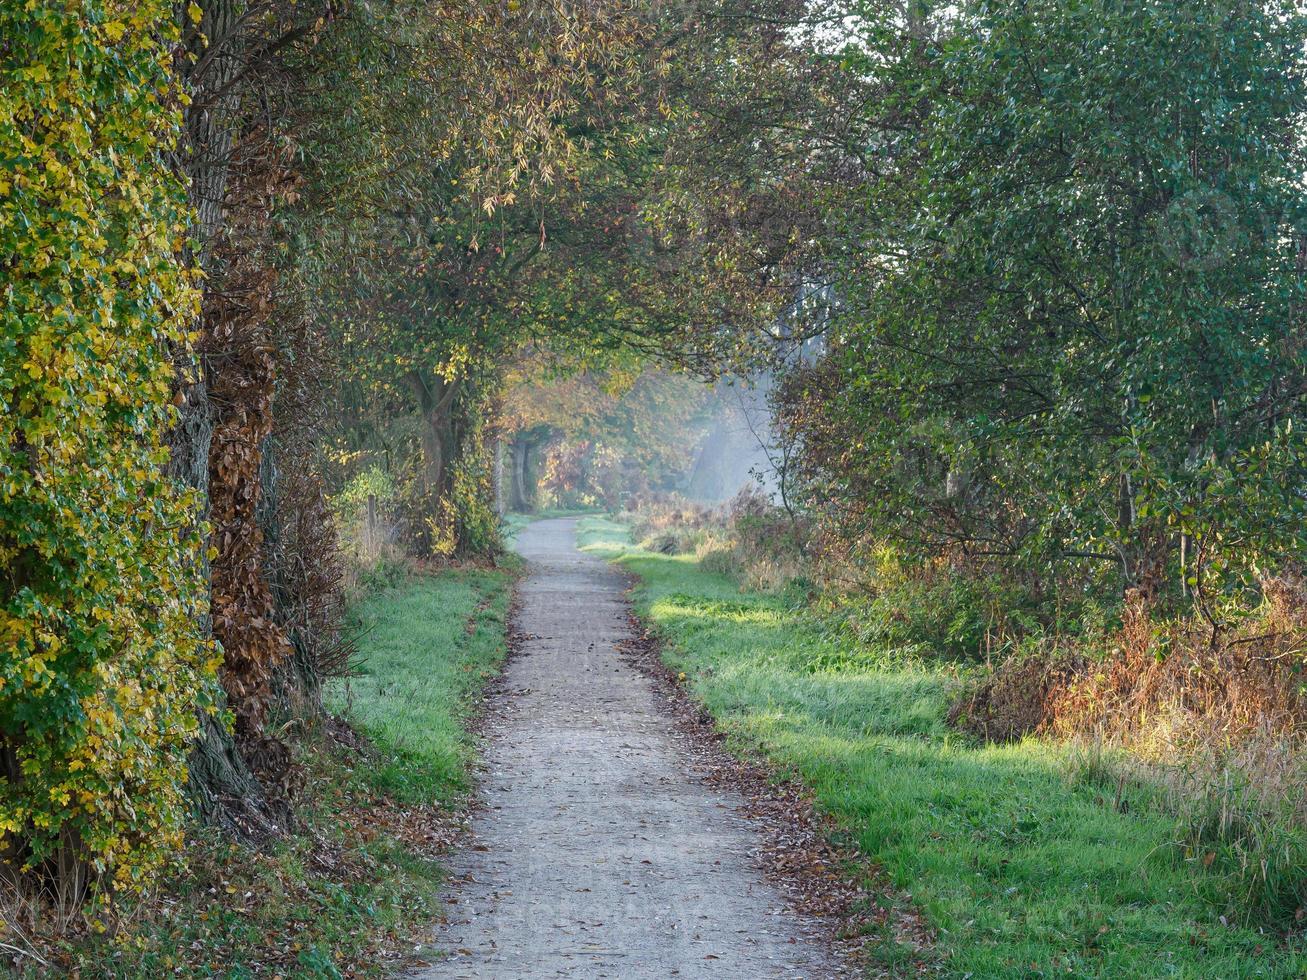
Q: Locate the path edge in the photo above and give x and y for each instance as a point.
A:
(844, 892)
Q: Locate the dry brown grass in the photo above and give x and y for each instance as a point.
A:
(1179, 677)
(1016, 699)
(1217, 720)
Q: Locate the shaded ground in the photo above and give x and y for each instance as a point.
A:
(598, 853)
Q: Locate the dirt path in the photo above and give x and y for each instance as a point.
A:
(597, 854)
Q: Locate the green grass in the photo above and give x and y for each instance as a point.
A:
(355, 885)
(430, 643)
(1020, 859)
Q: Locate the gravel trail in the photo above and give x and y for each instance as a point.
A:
(597, 852)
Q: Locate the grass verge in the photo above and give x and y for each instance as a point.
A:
(430, 644)
(1027, 860)
(354, 889)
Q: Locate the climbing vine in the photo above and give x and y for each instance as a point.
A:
(102, 664)
(239, 347)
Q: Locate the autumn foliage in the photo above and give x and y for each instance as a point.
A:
(102, 662)
(239, 347)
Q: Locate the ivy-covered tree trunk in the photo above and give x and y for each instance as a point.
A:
(453, 496)
(221, 787)
(501, 496)
(435, 401)
(101, 660)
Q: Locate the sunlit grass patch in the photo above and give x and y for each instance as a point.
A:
(430, 643)
(1029, 859)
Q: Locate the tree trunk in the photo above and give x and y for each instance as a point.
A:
(523, 496)
(434, 440)
(211, 116)
(435, 398)
(224, 793)
(500, 500)
(221, 787)
(438, 441)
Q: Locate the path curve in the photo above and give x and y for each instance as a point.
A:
(597, 853)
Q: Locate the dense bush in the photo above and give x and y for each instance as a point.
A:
(102, 665)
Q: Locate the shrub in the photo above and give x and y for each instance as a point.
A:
(373, 483)
(365, 512)
(1015, 700)
(102, 664)
(750, 539)
(1216, 720)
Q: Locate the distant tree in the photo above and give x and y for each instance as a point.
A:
(623, 423)
(472, 232)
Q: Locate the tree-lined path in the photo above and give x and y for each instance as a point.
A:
(597, 854)
(936, 370)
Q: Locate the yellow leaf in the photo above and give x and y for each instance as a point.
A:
(195, 12)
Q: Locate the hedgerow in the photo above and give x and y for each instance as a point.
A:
(102, 658)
